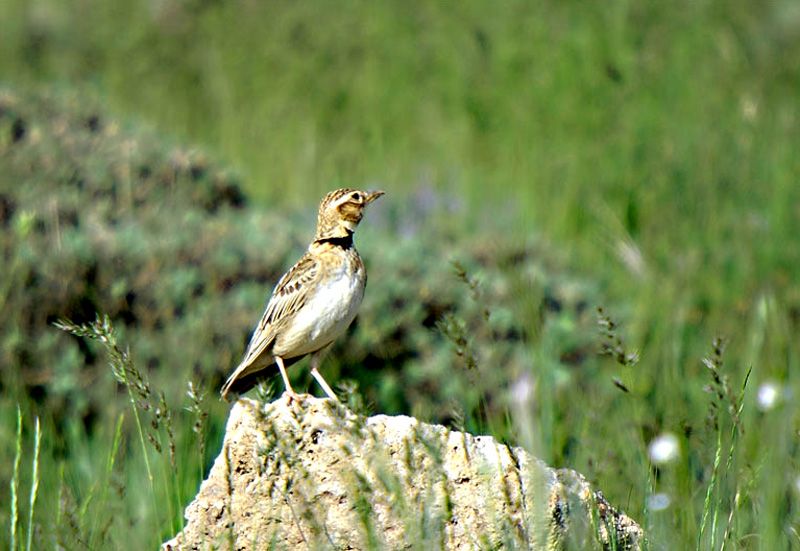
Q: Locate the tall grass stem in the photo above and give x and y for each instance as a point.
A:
(15, 484)
(34, 482)
(140, 431)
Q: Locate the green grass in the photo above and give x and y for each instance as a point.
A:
(653, 145)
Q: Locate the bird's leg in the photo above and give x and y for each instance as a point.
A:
(328, 390)
(315, 361)
(289, 390)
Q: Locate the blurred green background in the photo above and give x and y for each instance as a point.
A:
(162, 162)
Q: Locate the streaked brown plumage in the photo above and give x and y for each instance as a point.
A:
(315, 301)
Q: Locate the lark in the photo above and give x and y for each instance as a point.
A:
(314, 302)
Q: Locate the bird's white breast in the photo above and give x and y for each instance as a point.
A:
(327, 313)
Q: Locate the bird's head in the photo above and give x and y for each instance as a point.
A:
(341, 211)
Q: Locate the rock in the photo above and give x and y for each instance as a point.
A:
(313, 475)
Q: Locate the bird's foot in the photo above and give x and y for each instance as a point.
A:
(292, 397)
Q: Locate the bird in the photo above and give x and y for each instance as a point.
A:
(314, 302)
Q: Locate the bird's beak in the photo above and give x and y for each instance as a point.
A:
(371, 196)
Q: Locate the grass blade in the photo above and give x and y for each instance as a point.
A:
(34, 482)
(15, 484)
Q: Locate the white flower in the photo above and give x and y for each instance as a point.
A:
(769, 395)
(658, 502)
(522, 389)
(664, 448)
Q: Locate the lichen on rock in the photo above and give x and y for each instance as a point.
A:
(313, 475)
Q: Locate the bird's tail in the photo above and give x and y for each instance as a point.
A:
(234, 383)
(248, 375)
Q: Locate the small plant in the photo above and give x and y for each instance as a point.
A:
(146, 404)
(612, 344)
(722, 397)
(474, 287)
(352, 398)
(127, 374)
(265, 392)
(200, 417)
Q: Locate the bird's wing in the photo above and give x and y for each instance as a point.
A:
(290, 293)
(288, 298)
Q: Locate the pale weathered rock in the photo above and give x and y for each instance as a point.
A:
(312, 475)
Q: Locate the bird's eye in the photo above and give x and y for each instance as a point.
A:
(356, 196)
